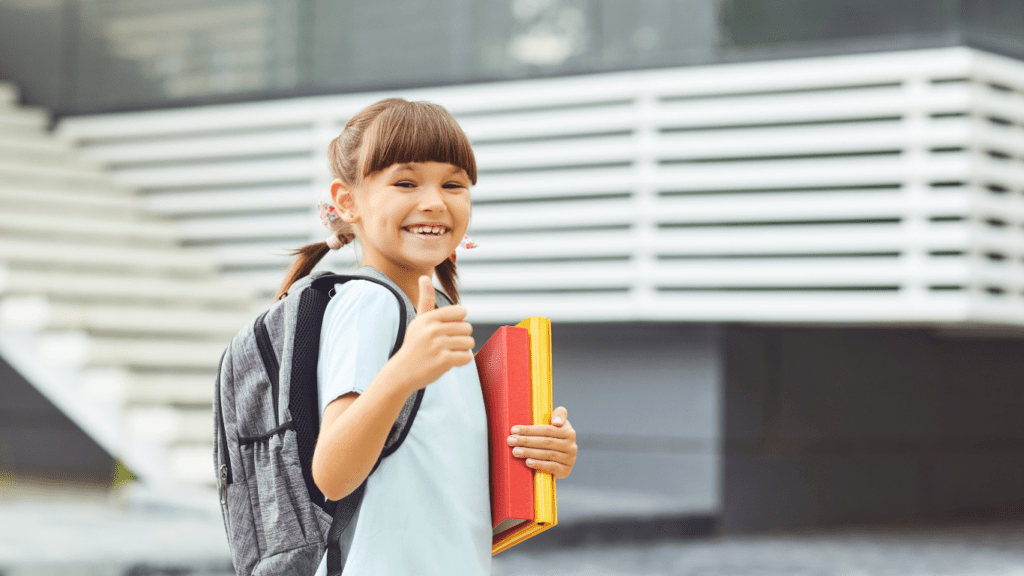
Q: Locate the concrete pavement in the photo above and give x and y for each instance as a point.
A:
(46, 531)
(962, 550)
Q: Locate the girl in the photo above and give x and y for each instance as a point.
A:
(402, 176)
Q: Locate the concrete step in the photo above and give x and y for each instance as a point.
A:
(38, 313)
(265, 283)
(46, 141)
(81, 350)
(137, 232)
(42, 151)
(183, 389)
(33, 136)
(19, 128)
(96, 258)
(8, 95)
(19, 119)
(193, 464)
(99, 291)
(43, 201)
(88, 180)
(126, 387)
(133, 530)
(170, 426)
(82, 287)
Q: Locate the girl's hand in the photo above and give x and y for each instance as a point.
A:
(548, 448)
(435, 341)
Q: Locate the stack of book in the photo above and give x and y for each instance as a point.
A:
(515, 374)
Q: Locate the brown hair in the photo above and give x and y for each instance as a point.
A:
(388, 132)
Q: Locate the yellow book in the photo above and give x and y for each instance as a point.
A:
(545, 504)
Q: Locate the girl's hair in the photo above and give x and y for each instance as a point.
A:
(391, 131)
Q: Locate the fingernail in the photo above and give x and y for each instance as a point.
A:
(511, 440)
(530, 462)
(517, 451)
(515, 430)
(556, 420)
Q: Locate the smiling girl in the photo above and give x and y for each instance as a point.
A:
(403, 172)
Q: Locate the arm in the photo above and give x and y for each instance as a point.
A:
(353, 433)
(355, 426)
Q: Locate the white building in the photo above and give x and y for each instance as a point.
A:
(784, 291)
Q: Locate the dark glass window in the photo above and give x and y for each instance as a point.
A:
(80, 56)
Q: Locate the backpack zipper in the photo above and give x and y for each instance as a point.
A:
(269, 360)
(223, 485)
(225, 468)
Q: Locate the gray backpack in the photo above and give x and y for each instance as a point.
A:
(266, 422)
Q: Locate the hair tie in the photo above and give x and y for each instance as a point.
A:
(341, 232)
(327, 214)
(466, 243)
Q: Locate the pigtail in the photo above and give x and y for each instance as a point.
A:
(307, 257)
(447, 276)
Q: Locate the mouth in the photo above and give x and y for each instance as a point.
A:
(427, 230)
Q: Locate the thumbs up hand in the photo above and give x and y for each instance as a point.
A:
(436, 341)
(426, 299)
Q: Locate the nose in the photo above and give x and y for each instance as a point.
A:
(432, 200)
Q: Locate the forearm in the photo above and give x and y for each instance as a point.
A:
(348, 447)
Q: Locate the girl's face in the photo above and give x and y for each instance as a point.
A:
(408, 217)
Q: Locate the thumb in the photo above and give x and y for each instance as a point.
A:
(426, 299)
(559, 416)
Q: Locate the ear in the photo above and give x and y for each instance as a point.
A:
(343, 202)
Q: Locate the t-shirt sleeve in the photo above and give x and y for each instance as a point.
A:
(358, 332)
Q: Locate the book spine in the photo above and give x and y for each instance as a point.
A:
(540, 376)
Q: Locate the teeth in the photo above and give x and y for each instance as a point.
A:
(435, 230)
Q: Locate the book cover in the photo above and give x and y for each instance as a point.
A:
(504, 367)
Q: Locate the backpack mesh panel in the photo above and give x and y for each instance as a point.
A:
(303, 403)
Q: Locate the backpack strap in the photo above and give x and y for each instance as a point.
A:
(345, 509)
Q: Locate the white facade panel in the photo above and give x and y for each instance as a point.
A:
(879, 188)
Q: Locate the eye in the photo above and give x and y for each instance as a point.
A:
(454, 185)
(405, 184)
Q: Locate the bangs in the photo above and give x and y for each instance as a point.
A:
(417, 132)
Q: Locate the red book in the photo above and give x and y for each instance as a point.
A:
(504, 367)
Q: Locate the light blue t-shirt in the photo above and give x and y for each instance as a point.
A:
(426, 509)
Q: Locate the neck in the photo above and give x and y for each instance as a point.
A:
(407, 279)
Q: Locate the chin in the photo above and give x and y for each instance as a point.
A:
(425, 264)
(433, 260)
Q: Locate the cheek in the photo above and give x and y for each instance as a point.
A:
(388, 222)
(463, 209)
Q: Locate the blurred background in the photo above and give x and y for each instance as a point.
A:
(780, 241)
